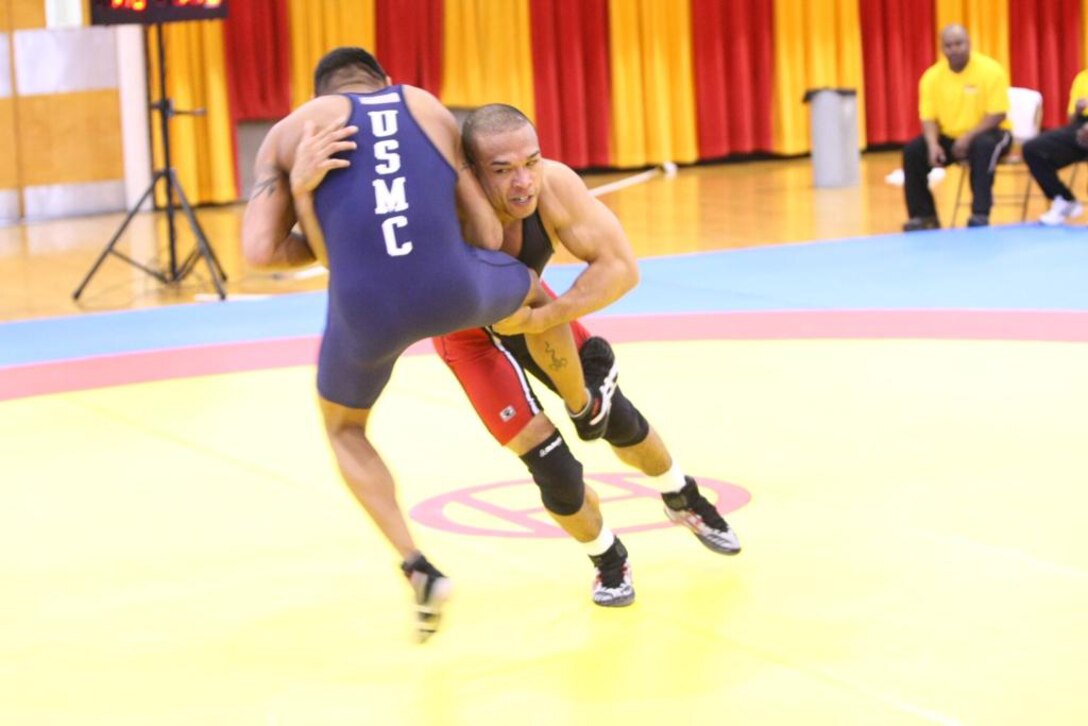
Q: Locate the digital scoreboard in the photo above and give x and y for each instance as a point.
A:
(116, 12)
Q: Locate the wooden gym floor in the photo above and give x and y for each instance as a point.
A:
(894, 424)
(711, 207)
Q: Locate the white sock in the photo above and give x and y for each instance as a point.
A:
(671, 481)
(600, 545)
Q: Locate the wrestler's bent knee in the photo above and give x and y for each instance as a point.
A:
(626, 424)
(558, 474)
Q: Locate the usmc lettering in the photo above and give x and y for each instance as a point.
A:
(389, 193)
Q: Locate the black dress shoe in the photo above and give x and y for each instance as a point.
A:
(978, 220)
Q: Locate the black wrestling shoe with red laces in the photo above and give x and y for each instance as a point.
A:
(613, 587)
(689, 508)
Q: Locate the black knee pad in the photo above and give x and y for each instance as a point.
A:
(558, 474)
(626, 425)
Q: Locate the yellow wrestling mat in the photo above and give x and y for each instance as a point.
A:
(184, 552)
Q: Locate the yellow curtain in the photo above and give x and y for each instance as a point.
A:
(318, 26)
(1084, 34)
(487, 54)
(817, 44)
(987, 23)
(653, 86)
(201, 147)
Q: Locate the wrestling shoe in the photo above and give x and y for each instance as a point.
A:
(601, 372)
(613, 587)
(691, 509)
(432, 590)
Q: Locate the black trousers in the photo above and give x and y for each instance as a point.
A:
(982, 157)
(1051, 151)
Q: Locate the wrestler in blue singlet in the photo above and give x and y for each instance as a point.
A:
(399, 269)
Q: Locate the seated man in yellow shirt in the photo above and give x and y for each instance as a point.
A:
(1056, 149)
(962, 100)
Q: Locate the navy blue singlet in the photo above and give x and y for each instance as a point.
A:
(399, 269)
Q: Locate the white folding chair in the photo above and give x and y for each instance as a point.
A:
(1026, 117)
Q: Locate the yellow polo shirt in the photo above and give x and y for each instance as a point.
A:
(1079, 90)
(958, 101)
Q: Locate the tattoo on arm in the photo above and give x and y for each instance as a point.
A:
(267, 180)
(558, 362)
(265, 185)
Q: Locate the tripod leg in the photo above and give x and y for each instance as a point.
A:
(198, 232)
(196, 253)
(117, 235)
(218, 276)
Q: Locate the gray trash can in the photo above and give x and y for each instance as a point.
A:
(834, 123)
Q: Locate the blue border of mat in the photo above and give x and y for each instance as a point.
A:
(1019, 267)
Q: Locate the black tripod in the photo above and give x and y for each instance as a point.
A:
(175, 273)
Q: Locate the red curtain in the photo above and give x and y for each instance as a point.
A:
(571, 80)
(732, 44)
(898, 43)
(1045, 51)
(258, 51)
(408, 41)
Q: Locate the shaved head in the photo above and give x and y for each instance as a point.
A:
(494, 118)
(956, 46)
(953, 31)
